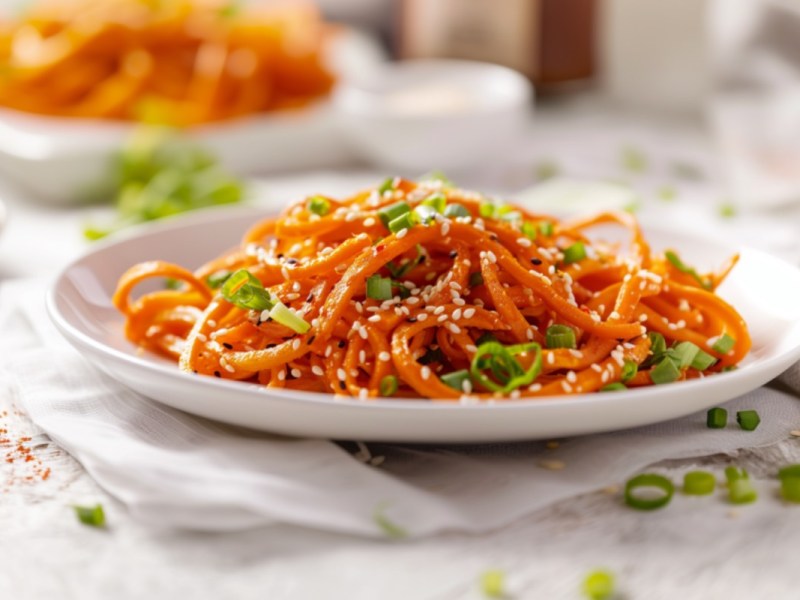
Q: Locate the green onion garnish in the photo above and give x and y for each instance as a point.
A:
(243, 289)
(511, 216)
(529, 230)
(790, 483)
(664, 372)
(598, 585)
(487, 210)
(455, 210)
(723, 344)
(172, 284)
(475, 279)
(389, 527)
(217, 279)
(493, 584)
(387, 185)
(716, 418)
(629, 370)
(404, 221)
(748, 419)
(319, 205)
(576, 252)
(424, 214)
(740, 489)
(507, 373)
(683, 354)
(284, 315)
(379, 288)
(634, 487)
(727, 210)
(388, 386)
(560, 336)
(546, 228)
(667, 193)
(698, 483)
(658, 347)
(456, 379)
(676, 262)
(93, 516)
(703, 360)
(614, 387)
(435, 201)
(388, 213)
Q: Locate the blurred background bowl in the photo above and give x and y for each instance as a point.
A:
(420, 115)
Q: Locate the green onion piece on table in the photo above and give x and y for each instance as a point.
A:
(790, 483)
(389, 527)
(493, 583)
(560, 336)
(748, 419)
(740, 488)
(699, 483)
(636, 497)
(716, 418)
(598, 585)
(94, 516)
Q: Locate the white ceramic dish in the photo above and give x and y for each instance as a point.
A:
(451, 114)
(763, 288)
(60, 159)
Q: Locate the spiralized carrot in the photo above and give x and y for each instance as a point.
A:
(454, 277)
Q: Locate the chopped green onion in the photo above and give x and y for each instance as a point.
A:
(633, 487)
(508, 374)
(319, 205)
(379, 288)
(698, 483)
(676, 262)
(424, 214)
(667, 193)
(546, 169)
(475, 279)
(560, 336)
(243, 289)
(284, 315)
(748, 419)
(389, 527)
(387, 186)
(171, 283)
(404, 221)
(576, 252)
(493, 584)
(790, 489)
(529, 230)
(218, 278)
(436, 201)
(664, 372)
(789, 471)
(546, 228)
(456, 379)
(614, 387)
(633, 160)
(455, 210)
(629, 370)
(724, 344)
(740, 489)
(389, 213)
(598, 585)
(388, 386)
(727, 210)
(683, 353)
(703, 360)
(511, 216)
(487, 210)
(716, 418)
(93, 516)
(658, 347)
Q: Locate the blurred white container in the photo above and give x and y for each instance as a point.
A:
(434, 114)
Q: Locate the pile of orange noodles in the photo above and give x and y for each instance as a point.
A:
(176, 62)
(425, 290)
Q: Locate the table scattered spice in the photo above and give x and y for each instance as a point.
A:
(22, 464)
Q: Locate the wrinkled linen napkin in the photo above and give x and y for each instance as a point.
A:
(175, 470)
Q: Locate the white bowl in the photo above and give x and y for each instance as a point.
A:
(434, 114)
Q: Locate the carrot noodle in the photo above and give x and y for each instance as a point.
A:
(487, 269)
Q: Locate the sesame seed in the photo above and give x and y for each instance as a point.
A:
(535, 387)
(524, 242)
(438, 310)
(384, 356)
(459, 301)
(422, 316)
(202, 337)
(402, 233)
(454, 328)
(296, 373)
(281, 375)
(317, 370)
(442, 318)
(468, 313)
(328, 350)
(445, 228)
(572, 377)
(285, 272)
(552, 465)
(369, 222)
(471, 348)
(363, 394)
(340, 374)
(363, 333)
(362, 356)
(425, 372)
(529, 333)
(466, 386)
(374, 319)
(296, 344)
(455, 285)
(566, 387)
(457, 314)
(551, 358)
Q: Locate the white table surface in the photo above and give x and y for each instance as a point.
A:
(696, 548)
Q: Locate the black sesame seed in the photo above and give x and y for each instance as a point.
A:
(194, 371)
(227, 345)
(291, 261)
(217, 374)
(311, 339)
(493, 237)
(271, 345)
(453, 254)
(536, 261)
(310, 298)
(341, 344)
(411, 320)
(342, 385)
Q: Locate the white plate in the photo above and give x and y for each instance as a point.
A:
(761, 287)
(61, 160)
